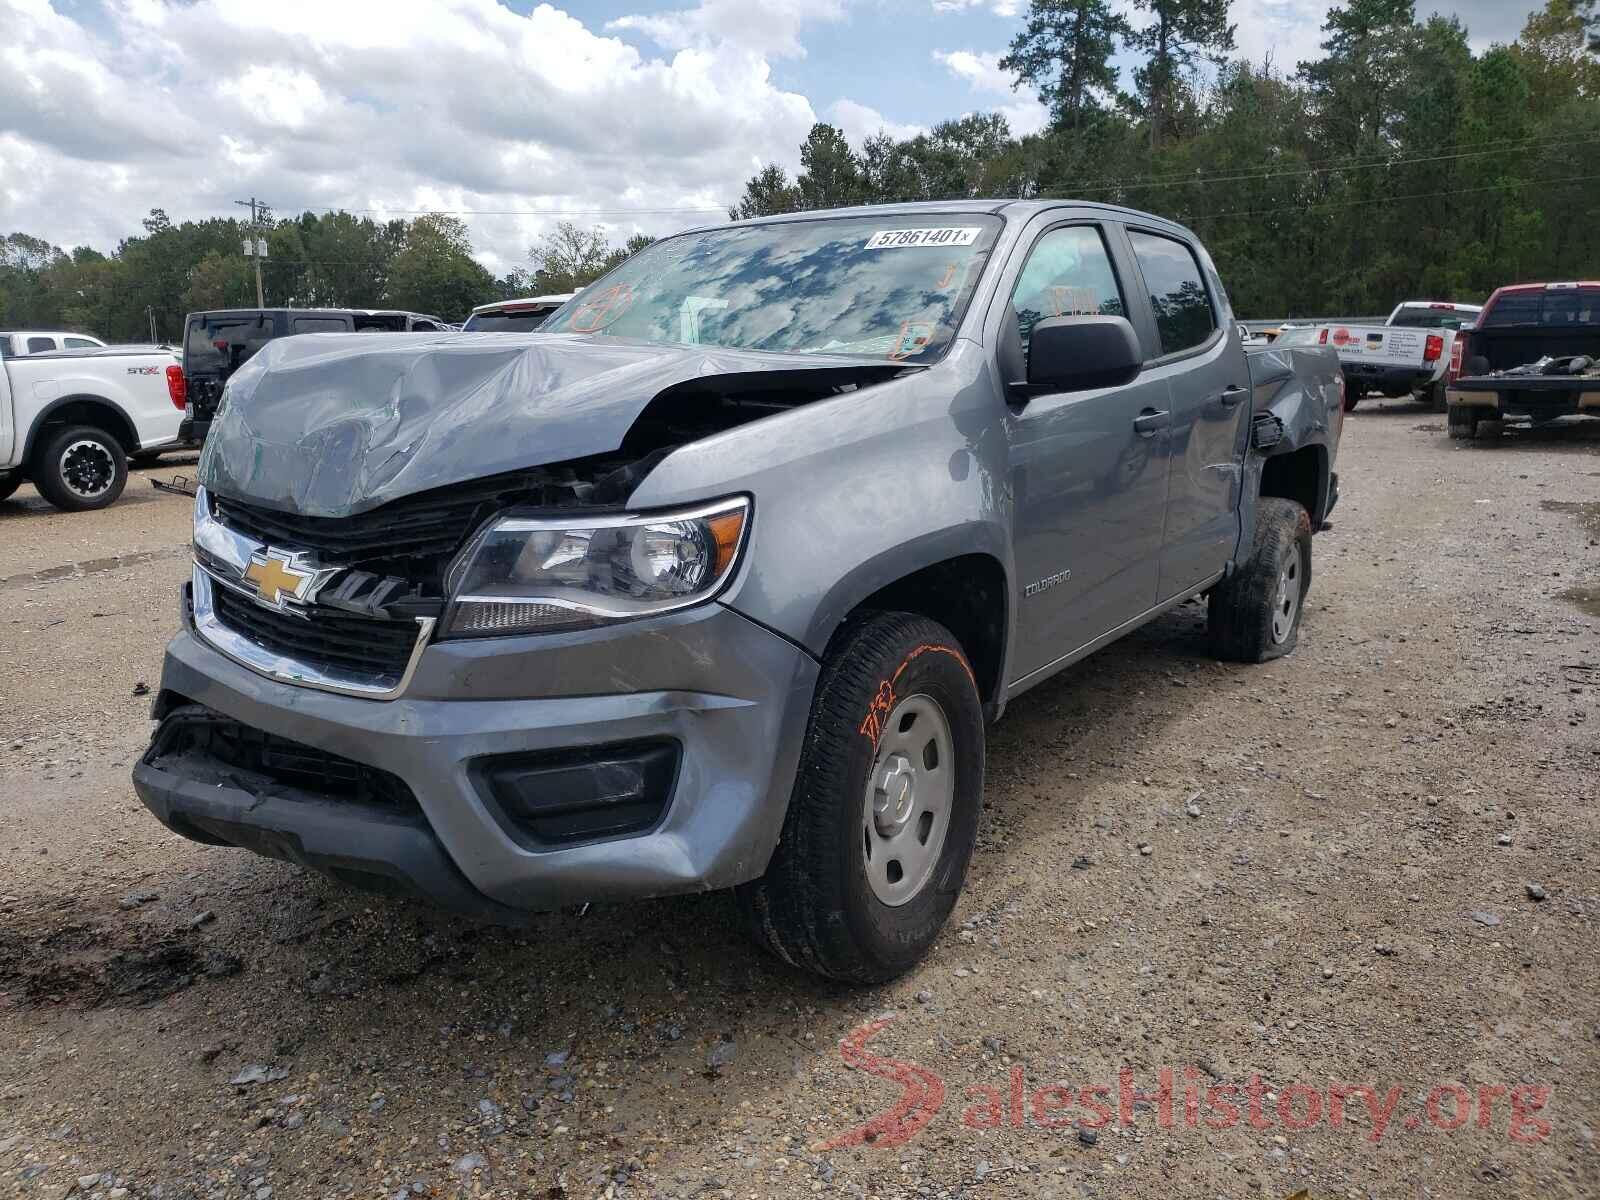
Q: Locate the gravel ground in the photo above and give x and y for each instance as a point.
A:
(1371, 865)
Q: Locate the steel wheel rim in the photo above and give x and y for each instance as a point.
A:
(87, 469)
(910, 794)
(1286, 605)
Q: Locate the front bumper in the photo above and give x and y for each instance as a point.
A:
(732, 695)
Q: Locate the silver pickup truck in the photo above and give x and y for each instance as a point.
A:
(715, 580)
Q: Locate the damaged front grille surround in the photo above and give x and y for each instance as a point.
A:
(193, 729)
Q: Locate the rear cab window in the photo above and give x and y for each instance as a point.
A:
(219, 345)
(1550, 307)
(81, 344)
(1068, 274)
(510, 320)
(1423, 316)
(1184, 315)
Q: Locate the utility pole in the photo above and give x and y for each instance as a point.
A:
(149, 311)
(257, 246)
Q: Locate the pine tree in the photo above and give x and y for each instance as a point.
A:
(1181, 34)
(1064, 54)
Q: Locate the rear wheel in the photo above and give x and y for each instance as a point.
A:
(80, 469)
(1254, 614)
(9, 486)
(1434, 398)
(884, 812)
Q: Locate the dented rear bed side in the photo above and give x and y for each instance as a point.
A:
(1297, 400)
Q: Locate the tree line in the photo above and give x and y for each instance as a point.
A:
(329, 260)
(1398, 164)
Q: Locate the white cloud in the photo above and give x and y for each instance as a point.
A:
(1284, 31)
(770, 27)
(1000, 8)
(980, 70)
(859, 122)
(391, 105)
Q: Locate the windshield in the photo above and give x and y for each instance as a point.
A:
(519, 320)
(1422, 316)
(891, 287)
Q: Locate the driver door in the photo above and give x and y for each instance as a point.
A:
(1090, 489)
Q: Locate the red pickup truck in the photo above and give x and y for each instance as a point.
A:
(1534, 355)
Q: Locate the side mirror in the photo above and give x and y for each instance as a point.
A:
(1067, 354)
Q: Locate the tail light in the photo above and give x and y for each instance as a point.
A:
(1433, 348)
(1322, 338)
(177, 387)
(1458, 350)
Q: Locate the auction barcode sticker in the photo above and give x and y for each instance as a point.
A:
(890, 239)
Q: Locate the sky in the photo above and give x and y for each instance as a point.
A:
(637, 115)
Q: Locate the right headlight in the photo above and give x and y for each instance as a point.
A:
(528, 574)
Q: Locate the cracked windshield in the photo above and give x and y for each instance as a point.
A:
(871, 287)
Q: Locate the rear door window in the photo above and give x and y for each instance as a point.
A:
(320, 325)
(41, 345)
(81, 344)
(1177, 288)
(1068, 274)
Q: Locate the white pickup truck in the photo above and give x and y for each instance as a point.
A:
(21, 342)
(71, 419)
(1405, 356)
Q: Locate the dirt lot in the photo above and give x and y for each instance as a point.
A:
(1371, 865)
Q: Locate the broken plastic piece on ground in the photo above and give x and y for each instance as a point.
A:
(178, 485)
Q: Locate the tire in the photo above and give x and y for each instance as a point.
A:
(1462, 421)
(8, 487)
(830, 901)
(1352, 394)
(81, 469)
(1434, 398)
(1255, 613)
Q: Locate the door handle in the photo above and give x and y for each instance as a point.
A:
(1148, 421)
(1232, 395)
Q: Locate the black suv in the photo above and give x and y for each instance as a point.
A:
(218, 343)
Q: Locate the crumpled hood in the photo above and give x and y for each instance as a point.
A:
(335, 424)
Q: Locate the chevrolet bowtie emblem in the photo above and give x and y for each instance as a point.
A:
(278, 577)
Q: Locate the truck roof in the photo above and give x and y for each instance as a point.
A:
(1021, 209)
(284, 308)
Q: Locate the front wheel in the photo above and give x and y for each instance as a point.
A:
(1255, 613)
(884, 812)
(80, 469)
